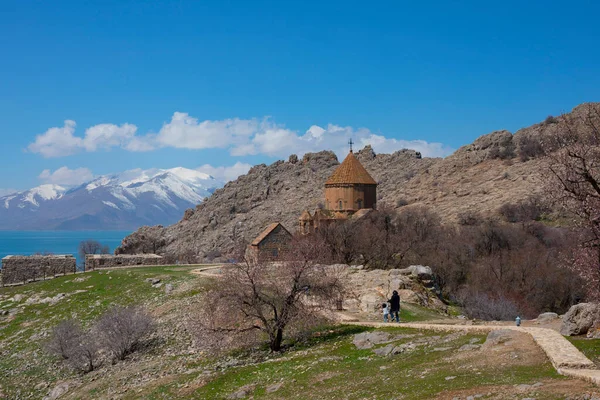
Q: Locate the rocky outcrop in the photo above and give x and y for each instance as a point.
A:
(580, 318)
(480, 177)
(371, 288)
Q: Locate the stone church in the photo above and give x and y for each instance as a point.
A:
(350, 193)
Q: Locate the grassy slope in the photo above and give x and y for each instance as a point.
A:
(326, 366)
(334, 368)
(23, 363)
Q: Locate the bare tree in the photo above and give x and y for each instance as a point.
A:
(91, 247)
(574, 170)
(79, 350)
(261, 297)
(122, 329)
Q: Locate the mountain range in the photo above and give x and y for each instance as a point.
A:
(123, 201)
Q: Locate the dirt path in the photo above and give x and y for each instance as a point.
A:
(564, 356)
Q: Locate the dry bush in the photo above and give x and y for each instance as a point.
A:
(531, 209)
(80, 350)
(122, 329)
(530, 147)
(258, 299)
(482, 306)
(469, 218)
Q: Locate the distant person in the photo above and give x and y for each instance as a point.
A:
(386, 312)
(395, 306)
(518, 321)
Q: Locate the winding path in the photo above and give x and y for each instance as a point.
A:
(565, 357)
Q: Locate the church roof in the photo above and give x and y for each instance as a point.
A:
(350, 171)
(268, 230)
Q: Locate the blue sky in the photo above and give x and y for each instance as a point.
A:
(233, 83)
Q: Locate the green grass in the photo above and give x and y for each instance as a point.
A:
(589, 347)
(23, 362)
(323, 365)
(334, 365)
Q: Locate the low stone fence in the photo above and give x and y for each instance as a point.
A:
(101, 261)
(23, 269)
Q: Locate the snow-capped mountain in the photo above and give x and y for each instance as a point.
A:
(126, 200)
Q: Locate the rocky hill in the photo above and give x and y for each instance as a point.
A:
(496, 169)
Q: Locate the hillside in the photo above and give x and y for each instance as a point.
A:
(482, 176)
(330, 361)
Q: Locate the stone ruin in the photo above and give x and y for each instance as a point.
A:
(101, 261)
(23, 269)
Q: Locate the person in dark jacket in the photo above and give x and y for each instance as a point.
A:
(395, 306)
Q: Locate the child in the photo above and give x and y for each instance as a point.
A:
(386, 312)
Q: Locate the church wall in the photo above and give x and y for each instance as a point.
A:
(350, 195)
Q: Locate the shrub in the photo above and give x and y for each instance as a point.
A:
(122, 329)
(482, 306)
(530, 209)
(530, 147)
(550, 120)
(469, 218)
(79, 350)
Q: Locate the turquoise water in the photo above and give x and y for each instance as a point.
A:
(56, 242)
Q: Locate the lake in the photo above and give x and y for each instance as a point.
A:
(56, 242)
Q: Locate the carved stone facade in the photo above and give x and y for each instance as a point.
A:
(100, 261)
(23, 269)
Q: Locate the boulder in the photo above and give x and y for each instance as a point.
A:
(546, 317)
(580, 318)
(498, 337)
(366, 340)
(57, 391)
(419, 271)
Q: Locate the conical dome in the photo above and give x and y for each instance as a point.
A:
(350, 171)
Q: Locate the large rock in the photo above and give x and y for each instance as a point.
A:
(366, 340)
(546, 317)
(498, 337)
(421, 272)
(580, 318)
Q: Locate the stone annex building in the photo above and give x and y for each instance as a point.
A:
(350, 194)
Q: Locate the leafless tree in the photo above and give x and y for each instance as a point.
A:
(122, 329)
(92, 247)
(79, 349)
(260, 297)
(574, 171)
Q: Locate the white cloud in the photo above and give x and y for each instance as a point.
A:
(226, 173)
(66, 177)
(105, 136)
(240, 136)
(57, 142)
(60, 142)
(186, 132)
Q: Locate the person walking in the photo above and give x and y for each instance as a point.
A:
(395, 306)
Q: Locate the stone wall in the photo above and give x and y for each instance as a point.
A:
(100, 261)
(23, 269)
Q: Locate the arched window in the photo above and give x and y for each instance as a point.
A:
(359, 204)
(341, 205)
